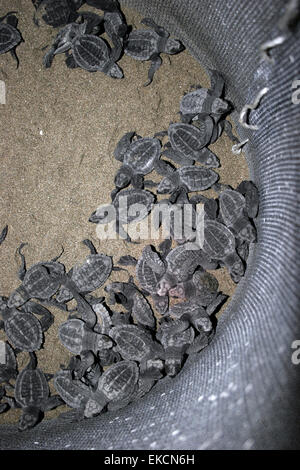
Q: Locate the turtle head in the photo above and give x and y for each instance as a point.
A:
(103, 215)
(92, 408)
(18, 297)
(248, 233)
(220, 106)
(167, 185)
(115, 72)
(178, 291)
(237, 270)
(30, 417)
(173, 46)
(123, 177)
(165, 284)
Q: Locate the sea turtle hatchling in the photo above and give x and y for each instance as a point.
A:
(77, 337)
(23, 329)
(190, 310)
(205, 101)
(89, 51)
(175, 345)
(10, 37)
(134, 343)
(129, 205)
(32, 395)
(191, 178)
(56, 13)
(115, 384)
(188, 143)
(220, 244)
(88, 276)
(39, 281)
(182, 262)
(139, 157)
(148, 44)
(233, 213)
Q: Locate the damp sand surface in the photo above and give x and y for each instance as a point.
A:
(58, 130)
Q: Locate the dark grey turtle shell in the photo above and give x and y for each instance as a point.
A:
(9, 37)
(8, 368)
(146, 276)
(55, 13)
(133, 196)
(197, 178)
(131, 342)
(205, 281)
(76, 337)
(202, 101)
(141, 44)
(119, 380)
(142, 311)
(37, 280)
(23, 330)
(73, 392)
(188, 139)
(232, 204)
(92, 53)
(88, 276)
(31, 388)
(219, 241)
(189, 307)
(142, 154)
(183, 260)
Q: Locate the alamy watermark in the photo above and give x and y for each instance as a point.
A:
(2, 353)
(184, 222)
(295, 358)
(2, 92)
(296, 93)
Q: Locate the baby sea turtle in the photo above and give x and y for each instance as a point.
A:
(39, 281)
(56, 13)
(182, 262)
(8, 366)
(175, 345)
(77, 337)
(10, 37)
(89, 51)
(133, 343)
(139, 158)
(88, 276)
(250, 192)
(32, 395)
(115, 384)
(195, 314)
(188, 143)
(23, 329)
(191, 178)
(219, 244)
(149, 270)
(205, 101)
(203, 288)
(122, 213)
(233, 213)
(147, 45)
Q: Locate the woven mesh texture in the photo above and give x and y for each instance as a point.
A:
(242, 391)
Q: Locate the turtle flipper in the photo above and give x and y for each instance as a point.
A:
(156, 62)
(158, 29)
(216, 83)
(53, 402)
(227, 126)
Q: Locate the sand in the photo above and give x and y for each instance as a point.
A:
(58, 130)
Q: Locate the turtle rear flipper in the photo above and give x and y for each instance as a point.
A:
(156, 62)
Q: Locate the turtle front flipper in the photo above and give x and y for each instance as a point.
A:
(216, 83)
(47, 318)
(53, 402)
(158, 29)
(3, 234)
(156, 62)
